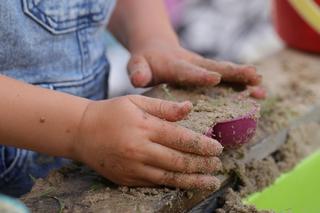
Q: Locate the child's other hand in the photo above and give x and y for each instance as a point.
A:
(156, 62)
(132, 141)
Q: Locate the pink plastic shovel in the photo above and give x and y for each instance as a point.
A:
(235, 132)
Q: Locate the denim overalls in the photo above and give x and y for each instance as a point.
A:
(56, 44)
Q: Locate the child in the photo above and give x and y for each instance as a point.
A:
(59, 46)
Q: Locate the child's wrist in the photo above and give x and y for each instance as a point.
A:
(81, 108)
(139, 43)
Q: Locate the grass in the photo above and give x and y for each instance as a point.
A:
(167, 91)
(46, 192)
(96, 186)
(60, 202)
(32, 178)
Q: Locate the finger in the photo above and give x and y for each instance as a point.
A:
(139, 71)
(232, 72)
(183, 139)
(180, 180)
(168, 110)
(183, 72)
(257, 92)
(175, 161)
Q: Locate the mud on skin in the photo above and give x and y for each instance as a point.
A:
(209, 106)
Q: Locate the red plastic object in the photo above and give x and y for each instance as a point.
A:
(236, 132)
(293, 28)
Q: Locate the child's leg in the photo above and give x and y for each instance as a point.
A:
(18, 168)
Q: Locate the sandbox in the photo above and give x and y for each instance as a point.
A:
(287, 131)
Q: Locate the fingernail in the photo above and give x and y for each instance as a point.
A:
(134, 72)
(214, 74)
(186, 104)
(213, 184)
(214, 77)
(138, 78)
(256, 80)
(218, 148)
(218, 165)
(184, 108)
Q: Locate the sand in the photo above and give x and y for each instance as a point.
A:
(257, 175)
(78, 189)
(293, 81)
(209, 106)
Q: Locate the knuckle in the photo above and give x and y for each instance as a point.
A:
(163, 129)
(140, 155)
(129, 151)
(189, 182)
(217, 164)
(144, 122)
(207, 166)
(146, 128)
(176, 108)
(162, 109)
(212, 147)
(194, 143)
(177, 161)
(200, 165)
(184, 163)
(188, 164)
(210, 165)
(181, 138)
(167, 178)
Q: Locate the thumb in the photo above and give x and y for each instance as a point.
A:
(168, 110)
(139, 71)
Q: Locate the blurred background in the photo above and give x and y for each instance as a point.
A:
(239, 31)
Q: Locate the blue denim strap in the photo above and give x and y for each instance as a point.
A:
(12, 161)
(18, 167)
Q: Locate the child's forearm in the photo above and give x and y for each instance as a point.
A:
(38, 119)
(135, 22)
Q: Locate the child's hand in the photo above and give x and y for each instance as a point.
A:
(155, 62)
(131, 141)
